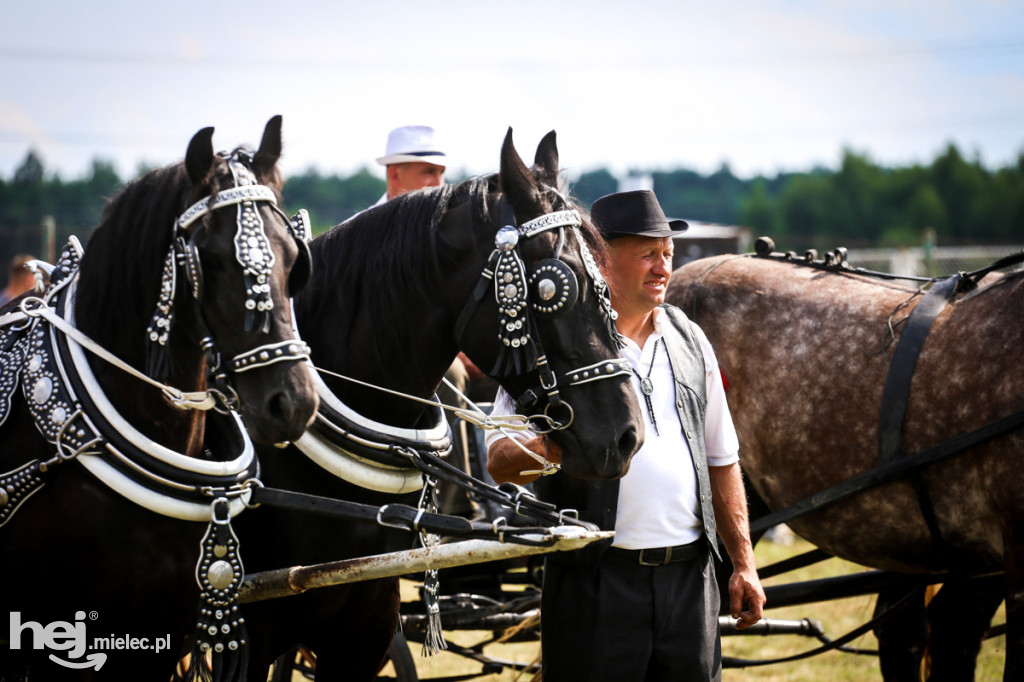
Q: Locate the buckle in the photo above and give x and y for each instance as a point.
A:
(664, 560)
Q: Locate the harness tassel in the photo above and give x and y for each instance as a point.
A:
(433, 640)
(220, 630)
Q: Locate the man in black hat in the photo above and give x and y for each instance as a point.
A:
(646, 607)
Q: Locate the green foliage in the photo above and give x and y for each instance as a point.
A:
(860, 204)
(332, 199)
(593, 185)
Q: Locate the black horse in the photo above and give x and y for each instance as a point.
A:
(111, 459)
(397, 292)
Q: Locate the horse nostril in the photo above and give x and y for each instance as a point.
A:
(280, 407)
(628, 441)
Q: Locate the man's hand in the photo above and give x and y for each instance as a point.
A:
(745, 591)
(506, 459)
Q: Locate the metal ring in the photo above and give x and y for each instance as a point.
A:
(558, 426)
(251, 483)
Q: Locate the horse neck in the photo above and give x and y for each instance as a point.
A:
(391, 329)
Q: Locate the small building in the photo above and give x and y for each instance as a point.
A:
(710, 239)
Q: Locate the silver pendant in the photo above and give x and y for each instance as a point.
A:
(647, 386)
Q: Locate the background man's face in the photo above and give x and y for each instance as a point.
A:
(407, 177)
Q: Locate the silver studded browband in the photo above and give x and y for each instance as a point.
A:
(227, 197)
(549, 221)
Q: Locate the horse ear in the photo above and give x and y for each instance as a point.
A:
(516, 182)
(270, 147)
(199, 157)
(546, 159)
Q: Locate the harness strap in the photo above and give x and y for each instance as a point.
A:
(400, 516)
(890, 472)
(483, 285)
(896, 392)
(901, 369)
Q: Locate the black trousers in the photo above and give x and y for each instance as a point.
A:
(622, 622)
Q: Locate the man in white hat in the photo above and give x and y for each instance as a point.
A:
(413, 161)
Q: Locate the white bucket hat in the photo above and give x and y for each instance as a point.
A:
(413, 143)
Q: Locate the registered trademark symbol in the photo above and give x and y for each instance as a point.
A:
(93, 615)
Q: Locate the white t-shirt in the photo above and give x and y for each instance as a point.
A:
(658, 498)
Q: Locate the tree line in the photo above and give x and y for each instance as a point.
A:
(955, 200)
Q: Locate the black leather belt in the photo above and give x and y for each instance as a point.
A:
(659, 556)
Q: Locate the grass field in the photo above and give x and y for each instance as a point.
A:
(837, 618)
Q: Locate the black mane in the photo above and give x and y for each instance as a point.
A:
(369, 265)
(123, 261)
(396, 243)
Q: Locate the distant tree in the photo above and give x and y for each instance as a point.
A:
(960, 184)
(758, 210)
(926, 210)
(857, 189)
(593, 185)
(807, 211)
(30, 172)
(332, 199)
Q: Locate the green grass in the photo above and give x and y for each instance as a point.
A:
(837, 618)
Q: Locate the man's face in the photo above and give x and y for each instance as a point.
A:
(405, 177)
(638, 272)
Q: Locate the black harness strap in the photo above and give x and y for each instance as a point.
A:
(901, 370)
(889, 472)
(399, 516)
(896, 392)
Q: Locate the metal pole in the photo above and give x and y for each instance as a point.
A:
(297, 579)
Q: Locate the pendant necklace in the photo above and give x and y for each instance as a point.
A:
(647, 387)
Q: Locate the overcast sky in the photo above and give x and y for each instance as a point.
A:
(763, 85)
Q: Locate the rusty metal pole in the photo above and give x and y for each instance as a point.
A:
(297, 579)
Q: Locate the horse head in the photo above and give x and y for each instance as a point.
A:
(558, 355)
(231, 259)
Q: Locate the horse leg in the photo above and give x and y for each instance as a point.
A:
(903, 637)
(959, 616)
(354, 646)
(1014, 669)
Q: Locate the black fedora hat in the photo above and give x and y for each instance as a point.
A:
(636, 213)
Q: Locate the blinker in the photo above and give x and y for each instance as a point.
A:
(553, 288)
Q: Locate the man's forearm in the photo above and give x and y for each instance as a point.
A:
(730, 503)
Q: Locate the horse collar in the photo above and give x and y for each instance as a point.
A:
(71, 412)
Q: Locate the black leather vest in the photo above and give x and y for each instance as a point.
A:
(597, 501)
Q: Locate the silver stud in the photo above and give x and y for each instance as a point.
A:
(506, 239)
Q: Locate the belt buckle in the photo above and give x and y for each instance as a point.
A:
(667, 559)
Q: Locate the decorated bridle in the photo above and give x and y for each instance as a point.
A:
(549, 291)
(253, 252)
